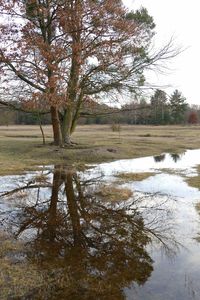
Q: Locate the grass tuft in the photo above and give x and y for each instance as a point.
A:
(112, 193)
(133, 176)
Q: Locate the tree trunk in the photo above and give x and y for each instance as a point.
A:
(73, 209)
(66, 126)
(41, 129)
(52, 218)
(57, 137)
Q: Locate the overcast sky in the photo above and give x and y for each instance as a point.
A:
(180, 19)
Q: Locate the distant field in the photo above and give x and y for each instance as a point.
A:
(21, 146)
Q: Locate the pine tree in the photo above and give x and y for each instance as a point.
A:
(178, 107)
(159, 107)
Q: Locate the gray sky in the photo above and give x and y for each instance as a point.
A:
(180, 19)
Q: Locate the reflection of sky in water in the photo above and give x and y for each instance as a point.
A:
(188, 160)
(172, 185)
(181, 199)
(175, 278)
(163, 183)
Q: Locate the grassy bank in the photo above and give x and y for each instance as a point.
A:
(21, 146)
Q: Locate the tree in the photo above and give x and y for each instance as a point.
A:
(178, 107)
(59, 54)
(159, 107)
(193, 117)
(6, 116)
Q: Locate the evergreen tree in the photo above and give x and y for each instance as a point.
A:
(159, 108)
(178, 107)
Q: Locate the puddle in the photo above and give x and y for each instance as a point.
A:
(82, 245)
(183, 163)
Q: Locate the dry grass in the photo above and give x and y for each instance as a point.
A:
(112, 193)
(197, 206)
(41, 178)
(21, 146)
(17, 277)
(124, 177)
(195, 181)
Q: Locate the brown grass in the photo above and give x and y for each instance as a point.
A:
(21, 146)
(194, 181)
(124, 177)
(112, 193)
(17, 277)
(197, 206)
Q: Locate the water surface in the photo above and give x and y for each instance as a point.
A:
(82, 245)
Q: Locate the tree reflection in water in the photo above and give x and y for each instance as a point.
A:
(175, 157)
(159, 158)
(90, 248)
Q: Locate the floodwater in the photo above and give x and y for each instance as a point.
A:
(77, 243)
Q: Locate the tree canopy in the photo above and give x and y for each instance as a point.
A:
(58, 55)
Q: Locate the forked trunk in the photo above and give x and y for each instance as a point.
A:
(57, 136)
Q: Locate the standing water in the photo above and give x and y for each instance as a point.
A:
(99, 234)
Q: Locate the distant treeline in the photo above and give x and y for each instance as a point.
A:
(10, 116)
(158, 110)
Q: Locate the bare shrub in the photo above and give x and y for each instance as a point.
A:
(116, 127)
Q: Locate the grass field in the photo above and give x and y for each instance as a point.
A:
(21, 146)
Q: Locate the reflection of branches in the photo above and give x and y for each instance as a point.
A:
(39, 181)
(102, 244)
(26, 187)
(176, 157)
